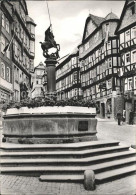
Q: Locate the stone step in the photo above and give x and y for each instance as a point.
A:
(115, 174)
(63, 154)
(73, 169)
(62, 177)
(56, 147)
(100, 178)
(67, 161)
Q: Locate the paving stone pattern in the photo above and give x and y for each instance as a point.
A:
(19, 185)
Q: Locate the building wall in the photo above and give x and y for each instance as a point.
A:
(6, 87)
(37, 81)
(68, 82)
(127, 49)
(20, 55)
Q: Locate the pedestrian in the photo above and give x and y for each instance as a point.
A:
(131, 116)
(124, 116)
(119, 118)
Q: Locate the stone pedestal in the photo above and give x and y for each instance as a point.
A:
(51, 77)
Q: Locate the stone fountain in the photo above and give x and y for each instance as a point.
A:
(50, 124)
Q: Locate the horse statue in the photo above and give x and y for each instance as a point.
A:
(49, 43)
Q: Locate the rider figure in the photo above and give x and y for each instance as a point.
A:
(48, 43)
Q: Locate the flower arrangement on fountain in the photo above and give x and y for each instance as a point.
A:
(39, 102)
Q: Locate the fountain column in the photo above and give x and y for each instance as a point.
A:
(51, 75)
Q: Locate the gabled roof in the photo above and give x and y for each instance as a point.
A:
(40, 66)
(111, 16)
(95, 19)
(127, 3)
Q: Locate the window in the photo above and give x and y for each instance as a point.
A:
(110, 63)
(122, 38)
(3, 70)
(129, 83)
(108, 45)
(133, 32)
(8, 53)
(134, 56)
(7, 25)
(32, 29)
(127, 58)
(99, 52)
(8, 74)
(16, 74)
(135, 82)
(75, 76)
(32, 46)
(3, 20)
(2, 44)
(109, 84)
(127, 35)
(16, 48)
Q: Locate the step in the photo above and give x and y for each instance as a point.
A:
(63, 154)
(48, 147)
(68, 161)
(103, 177)
(113, 174)
(62, 177)
(59, 169)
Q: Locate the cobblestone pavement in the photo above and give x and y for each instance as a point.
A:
(107, 129)
(19, 185)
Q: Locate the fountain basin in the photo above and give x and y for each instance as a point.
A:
(50, 124)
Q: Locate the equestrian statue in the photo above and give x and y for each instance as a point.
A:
(49, 43)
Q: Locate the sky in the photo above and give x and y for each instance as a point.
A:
(68, 21)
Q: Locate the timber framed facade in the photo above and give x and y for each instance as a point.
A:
(18, 30)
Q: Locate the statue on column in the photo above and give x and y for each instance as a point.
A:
(49, 43)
